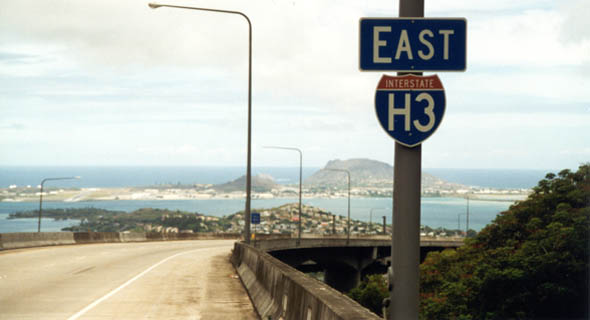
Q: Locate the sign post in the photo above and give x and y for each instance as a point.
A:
(409, 108)
(255, 216)
(405, 241)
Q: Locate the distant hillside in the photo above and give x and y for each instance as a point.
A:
(363, 172)
(260, 183)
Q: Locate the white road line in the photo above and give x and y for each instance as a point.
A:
(110, 294)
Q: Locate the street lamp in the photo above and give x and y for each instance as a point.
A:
(348, 222)
(41, 196)
(467, 213)
(249, 148)
(371, 217)
(300, 174)
(459, 221)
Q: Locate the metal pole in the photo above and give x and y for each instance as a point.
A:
(405, 245)
(334, 224)
(348, 222)
(384, 225)
(467, 222)
(40, 206)
(249, 151)
(300, 175)
(406, 233)
(41, 196)
(300, 179)
(371, 217)
(249, 160)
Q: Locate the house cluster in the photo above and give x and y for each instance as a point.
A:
(285, 220)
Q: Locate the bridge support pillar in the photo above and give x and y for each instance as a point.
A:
(342, 278)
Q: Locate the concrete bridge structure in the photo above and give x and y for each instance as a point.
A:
(269, 271)
(343, 262)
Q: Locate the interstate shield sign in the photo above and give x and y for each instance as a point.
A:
(409, 107)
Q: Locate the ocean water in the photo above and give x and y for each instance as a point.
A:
(492, 178)
(30, 225)
(144, 176)
(436, 212)
(104, 177)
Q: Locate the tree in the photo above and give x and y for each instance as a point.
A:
(371, 292)
(531, 262)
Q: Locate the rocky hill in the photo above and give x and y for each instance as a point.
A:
(363, 172)
(260, 183)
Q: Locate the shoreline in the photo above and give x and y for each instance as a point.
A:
(474, 198)
(206, 192)
(436, 211)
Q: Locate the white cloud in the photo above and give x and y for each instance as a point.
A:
(169, 86)
(551, 85)
(532, 38)
(516, 120)
(485, 6)
(576, 25)
(584, 152)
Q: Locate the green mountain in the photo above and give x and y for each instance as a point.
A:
(260, 183)
(363, 172)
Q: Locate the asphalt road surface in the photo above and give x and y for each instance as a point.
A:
(151, 280)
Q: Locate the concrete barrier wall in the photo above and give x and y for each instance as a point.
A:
(279, 291)
(96, 237)
(132, 236)
(153, 236)
(35, 239)
(263, 236)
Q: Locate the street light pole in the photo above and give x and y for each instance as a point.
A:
(371, 217)
(41, 196)
(249, 148)
(300, 175)
(348, 222)
(467, 222)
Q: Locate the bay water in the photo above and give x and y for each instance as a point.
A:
(122, 176)
(436, 212)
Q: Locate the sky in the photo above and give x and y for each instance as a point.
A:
(117, 83)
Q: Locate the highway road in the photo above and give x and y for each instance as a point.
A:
(150, 280)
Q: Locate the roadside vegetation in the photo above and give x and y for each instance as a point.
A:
(371, 292)
(531, 262)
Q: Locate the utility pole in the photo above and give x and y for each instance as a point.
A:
(333, 224)
(467, 223)
(405, 246)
